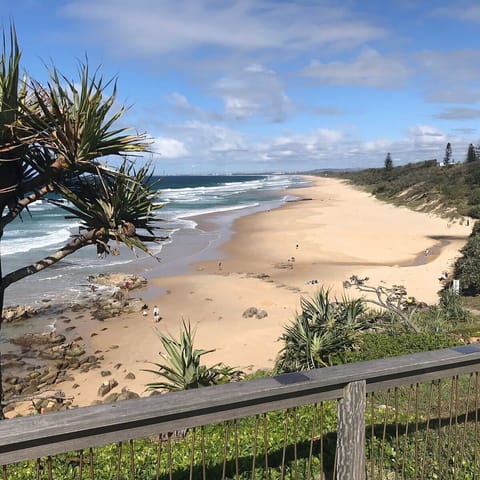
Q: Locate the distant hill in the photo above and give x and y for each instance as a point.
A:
(450, 191)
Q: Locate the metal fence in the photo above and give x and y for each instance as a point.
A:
(410, 417)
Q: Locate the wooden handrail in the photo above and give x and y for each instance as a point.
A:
(39, 435)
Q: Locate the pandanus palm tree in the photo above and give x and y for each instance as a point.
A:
(322, 329)
(56, 138)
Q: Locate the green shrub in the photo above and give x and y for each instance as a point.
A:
(320, 330)
(474, 211)
(374, 346)
(467, 267)
(182, 369)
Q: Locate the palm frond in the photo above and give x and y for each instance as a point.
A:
(183, 369)
(75, 121)
(322, 328)
(117, 206)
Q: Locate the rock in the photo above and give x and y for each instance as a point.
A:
(130, 376)
(111, 398)
(75, 351)
(29, 390)
(19, 312)
(127, 395)
(261, 314)
(30, 339)
(119, 280)
(13, 364)
(105, 373)
(73, 363)
(250, 312)
(106, 386)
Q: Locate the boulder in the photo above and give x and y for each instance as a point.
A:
(127, 395)
(106, 386)
(120, 280)
(18, 312)
(250, 312)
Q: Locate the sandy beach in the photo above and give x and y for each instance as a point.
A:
(330, 233)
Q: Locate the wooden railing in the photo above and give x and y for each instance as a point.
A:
(32, 437)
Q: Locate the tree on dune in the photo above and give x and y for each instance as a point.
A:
(447, 159)
(52, 138)
(471, 154)
(388, 162)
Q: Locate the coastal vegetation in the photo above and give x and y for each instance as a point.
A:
(330, 332)
(452, 191)
(321, 329)
(182, 368)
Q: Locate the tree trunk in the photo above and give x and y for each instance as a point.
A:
(2, 415)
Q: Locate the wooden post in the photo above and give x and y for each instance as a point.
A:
(350, 461)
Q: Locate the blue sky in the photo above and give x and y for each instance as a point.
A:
(262, 85)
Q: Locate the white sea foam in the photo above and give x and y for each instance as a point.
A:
(21, 245)
(55, 277)
(206, 211)
(47, 229)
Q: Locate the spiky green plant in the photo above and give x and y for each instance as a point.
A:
(322, 328)
(182, 369)
(57, 138)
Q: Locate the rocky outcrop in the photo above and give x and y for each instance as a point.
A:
(20, 312)
(254, 312)
(119, 280)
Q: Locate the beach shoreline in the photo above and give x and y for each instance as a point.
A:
(331, 232)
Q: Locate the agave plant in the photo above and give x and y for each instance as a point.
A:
(183, 369)
(322, 329)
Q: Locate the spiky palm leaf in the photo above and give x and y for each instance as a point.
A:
(183, 369)
(118, 207)
(73, 123)
(322, 329)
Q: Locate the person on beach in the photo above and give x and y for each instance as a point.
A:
(156, 314)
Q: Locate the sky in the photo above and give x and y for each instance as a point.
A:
(233, 86)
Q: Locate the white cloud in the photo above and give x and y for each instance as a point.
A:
(452, 76)
(144, 27)
(459, 114)
(254, 91)
(461, 11)
(169, 147)
(177, 100)
(369, 69)
(214, 148)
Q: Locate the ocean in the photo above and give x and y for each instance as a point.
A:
(45, 229)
